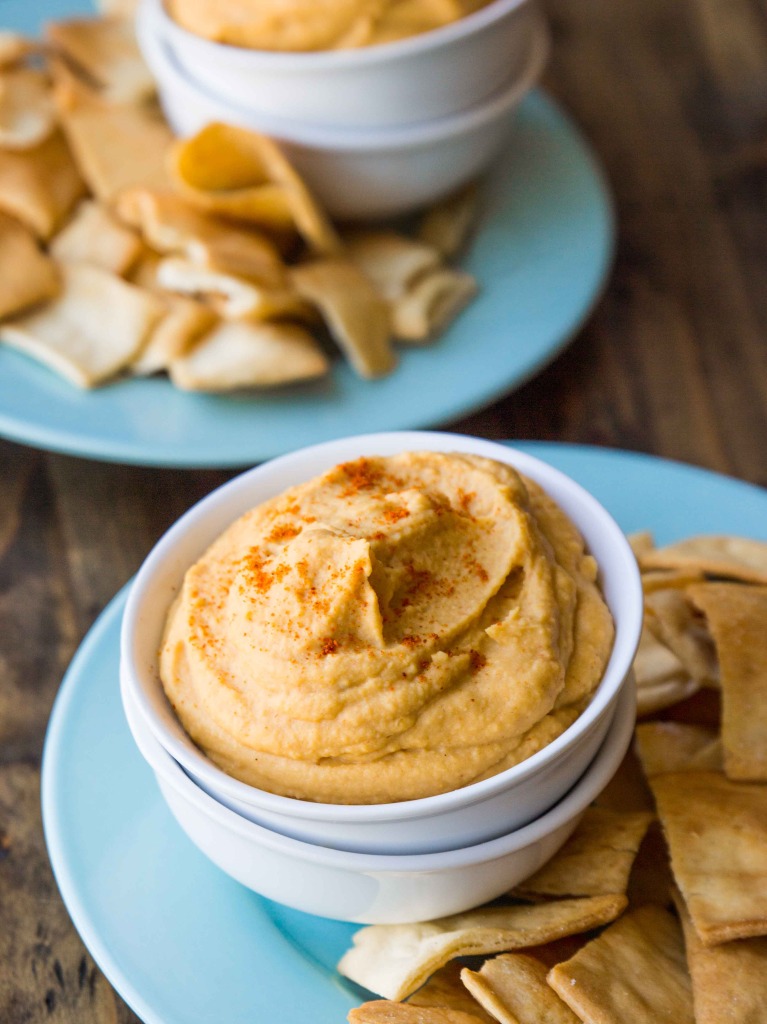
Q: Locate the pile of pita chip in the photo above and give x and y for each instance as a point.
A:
(125, 251)
(655, 909)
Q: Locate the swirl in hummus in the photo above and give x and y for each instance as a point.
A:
(397, 627)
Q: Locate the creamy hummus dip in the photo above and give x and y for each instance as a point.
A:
(315, 24)
(397, 627)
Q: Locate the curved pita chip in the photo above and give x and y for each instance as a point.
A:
(392, 262)
(93, 328)
(671, 616)
(238, 173)
(431, 304)
(40, 185)
(447, 225)
(27, 275)
(677, 747)
(183, 323)
(106, 49)
(249, 355)
(94, 236)
(736, 558)
(357, 317)
(513, 988)
(27, 112)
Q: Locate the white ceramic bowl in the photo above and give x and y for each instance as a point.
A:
(359, 173)
(472, 814)
(435, 74)
(362, 887)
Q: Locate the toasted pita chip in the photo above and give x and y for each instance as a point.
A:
(431, 304)
(94, 236)
(664, 579)
(384, 1011)
(233, 297)
(661, 678)
(737, 618)
(729, 982)
(247, 355)
(395, 960)
(445, 989)
(27, 275)
(15, 47)
(675, 621)
(595, 861)
(513, 988)
(184, 322)
(92, 330)
(357, 317)
(27, 113)
(117, 145)
(641, 542)
(717, 834)
(677, 747)
(170, 225)
(106, 49)
(391, 261)
(447, 225)
(40, 185)
(736, 558)
(143, 273)
(241, 174)
(634, 971)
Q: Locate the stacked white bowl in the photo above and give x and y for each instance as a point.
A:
(380, 863)
(376, 131)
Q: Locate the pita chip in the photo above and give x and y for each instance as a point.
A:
(239, 354)
(395, 960)
(92, 330)
(356, 316)
(677, 747)
(634, 971)
(641, 541)
(675, 621)
(391, 261)
(716, 830)
(94, 236)
(513, 988)
(737, 619)
(384, 1011)
(735, 558)
(106, 49)
(661, 677)
(446, 989)
(595, 861)
(431, 304)
(27, 275)
(40, 185)
(27, 112)
(15, 47)
(183, 323)
(446, 225)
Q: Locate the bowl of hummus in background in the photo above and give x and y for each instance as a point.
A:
(313, 63)
(357, 173)
(376, 888)
(366, 795)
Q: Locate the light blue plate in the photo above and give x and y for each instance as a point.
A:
(182, 942)
(541, 256)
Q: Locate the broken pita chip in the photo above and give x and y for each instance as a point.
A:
(395, 960)
(117, 145)
(94, 236)
(356, 316)
(27, 275)
(170, 225)
(447, 225)
(106, 49)
(674, 620)
(233, 297)
(40, 185)
(634, 971)
(241, 174)
(736, 558)
(15, 48)
(384, 1011)
(93, 328)
(729, 982)
(513, 988)
(183, 323)
(27, 113)
(446, 989)
(595, 861)
(677, 747)
(737, 619)
(431, 304)
(716, 830)
(391, 261)
(249, 355)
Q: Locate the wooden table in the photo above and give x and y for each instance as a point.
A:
(673, 96)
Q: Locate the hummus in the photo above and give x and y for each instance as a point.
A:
(315, 24)
(398, 627)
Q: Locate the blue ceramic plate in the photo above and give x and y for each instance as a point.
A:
(182, 942)
(541, 255)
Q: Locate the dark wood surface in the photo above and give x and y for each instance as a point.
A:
(673, 96)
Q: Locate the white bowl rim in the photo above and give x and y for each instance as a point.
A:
(585, 790)
(315, 60)
(618, 666)
(417, 135)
